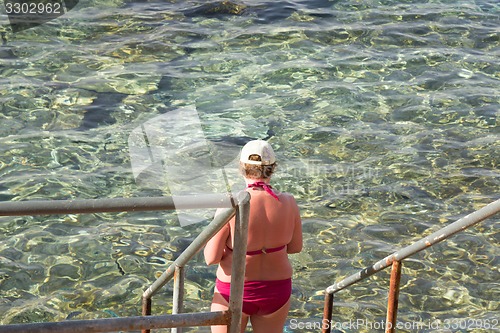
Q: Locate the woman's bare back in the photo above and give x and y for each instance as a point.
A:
(272, 224)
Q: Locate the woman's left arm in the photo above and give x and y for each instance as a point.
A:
(295, 245)
(214, 250)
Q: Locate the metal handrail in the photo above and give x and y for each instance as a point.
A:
(196, 245)
(397, 257)
(122, 324)
(238, 265)
(135, 204)
(176, 269)
(231, 317)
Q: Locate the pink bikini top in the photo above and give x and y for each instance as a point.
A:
(266, 188)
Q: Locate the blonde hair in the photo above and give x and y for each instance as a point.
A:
(257, 171)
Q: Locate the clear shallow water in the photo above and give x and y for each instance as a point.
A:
(384, 116)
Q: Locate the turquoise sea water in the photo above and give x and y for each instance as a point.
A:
(384, 116)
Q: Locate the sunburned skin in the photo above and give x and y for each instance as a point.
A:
(272, 224)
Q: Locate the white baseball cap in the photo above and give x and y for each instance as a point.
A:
(258, 147)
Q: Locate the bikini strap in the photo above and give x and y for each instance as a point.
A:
(261, 251)
(266, 187)
(266, 251)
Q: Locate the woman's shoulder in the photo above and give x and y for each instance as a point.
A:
(286, 196)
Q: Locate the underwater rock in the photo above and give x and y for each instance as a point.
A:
(38, 313)
(6, 53)
(216, 8)
(73, 314)
(68, 271)
(129, 264)
(181, 243)
(264, 13)
(34, 271)
(99, 112)
(10, 126)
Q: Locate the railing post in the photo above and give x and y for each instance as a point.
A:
(146, 310)
(239, 262)
(326, 324)
(392, 306)
(178, 294)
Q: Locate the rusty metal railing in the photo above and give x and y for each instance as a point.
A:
(176, 269)
(122, 324)
(231, 317)
(395, 260)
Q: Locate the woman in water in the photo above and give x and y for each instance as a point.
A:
(274, 231)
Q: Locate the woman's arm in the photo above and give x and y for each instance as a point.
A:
(295, 245)
(214, 250)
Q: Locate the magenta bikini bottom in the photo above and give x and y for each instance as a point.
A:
(260, 297)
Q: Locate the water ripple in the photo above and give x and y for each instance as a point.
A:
(383, 115)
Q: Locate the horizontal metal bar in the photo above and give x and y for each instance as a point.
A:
(198, 243)
(438, 236)
(77, 206)
(122, 324)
